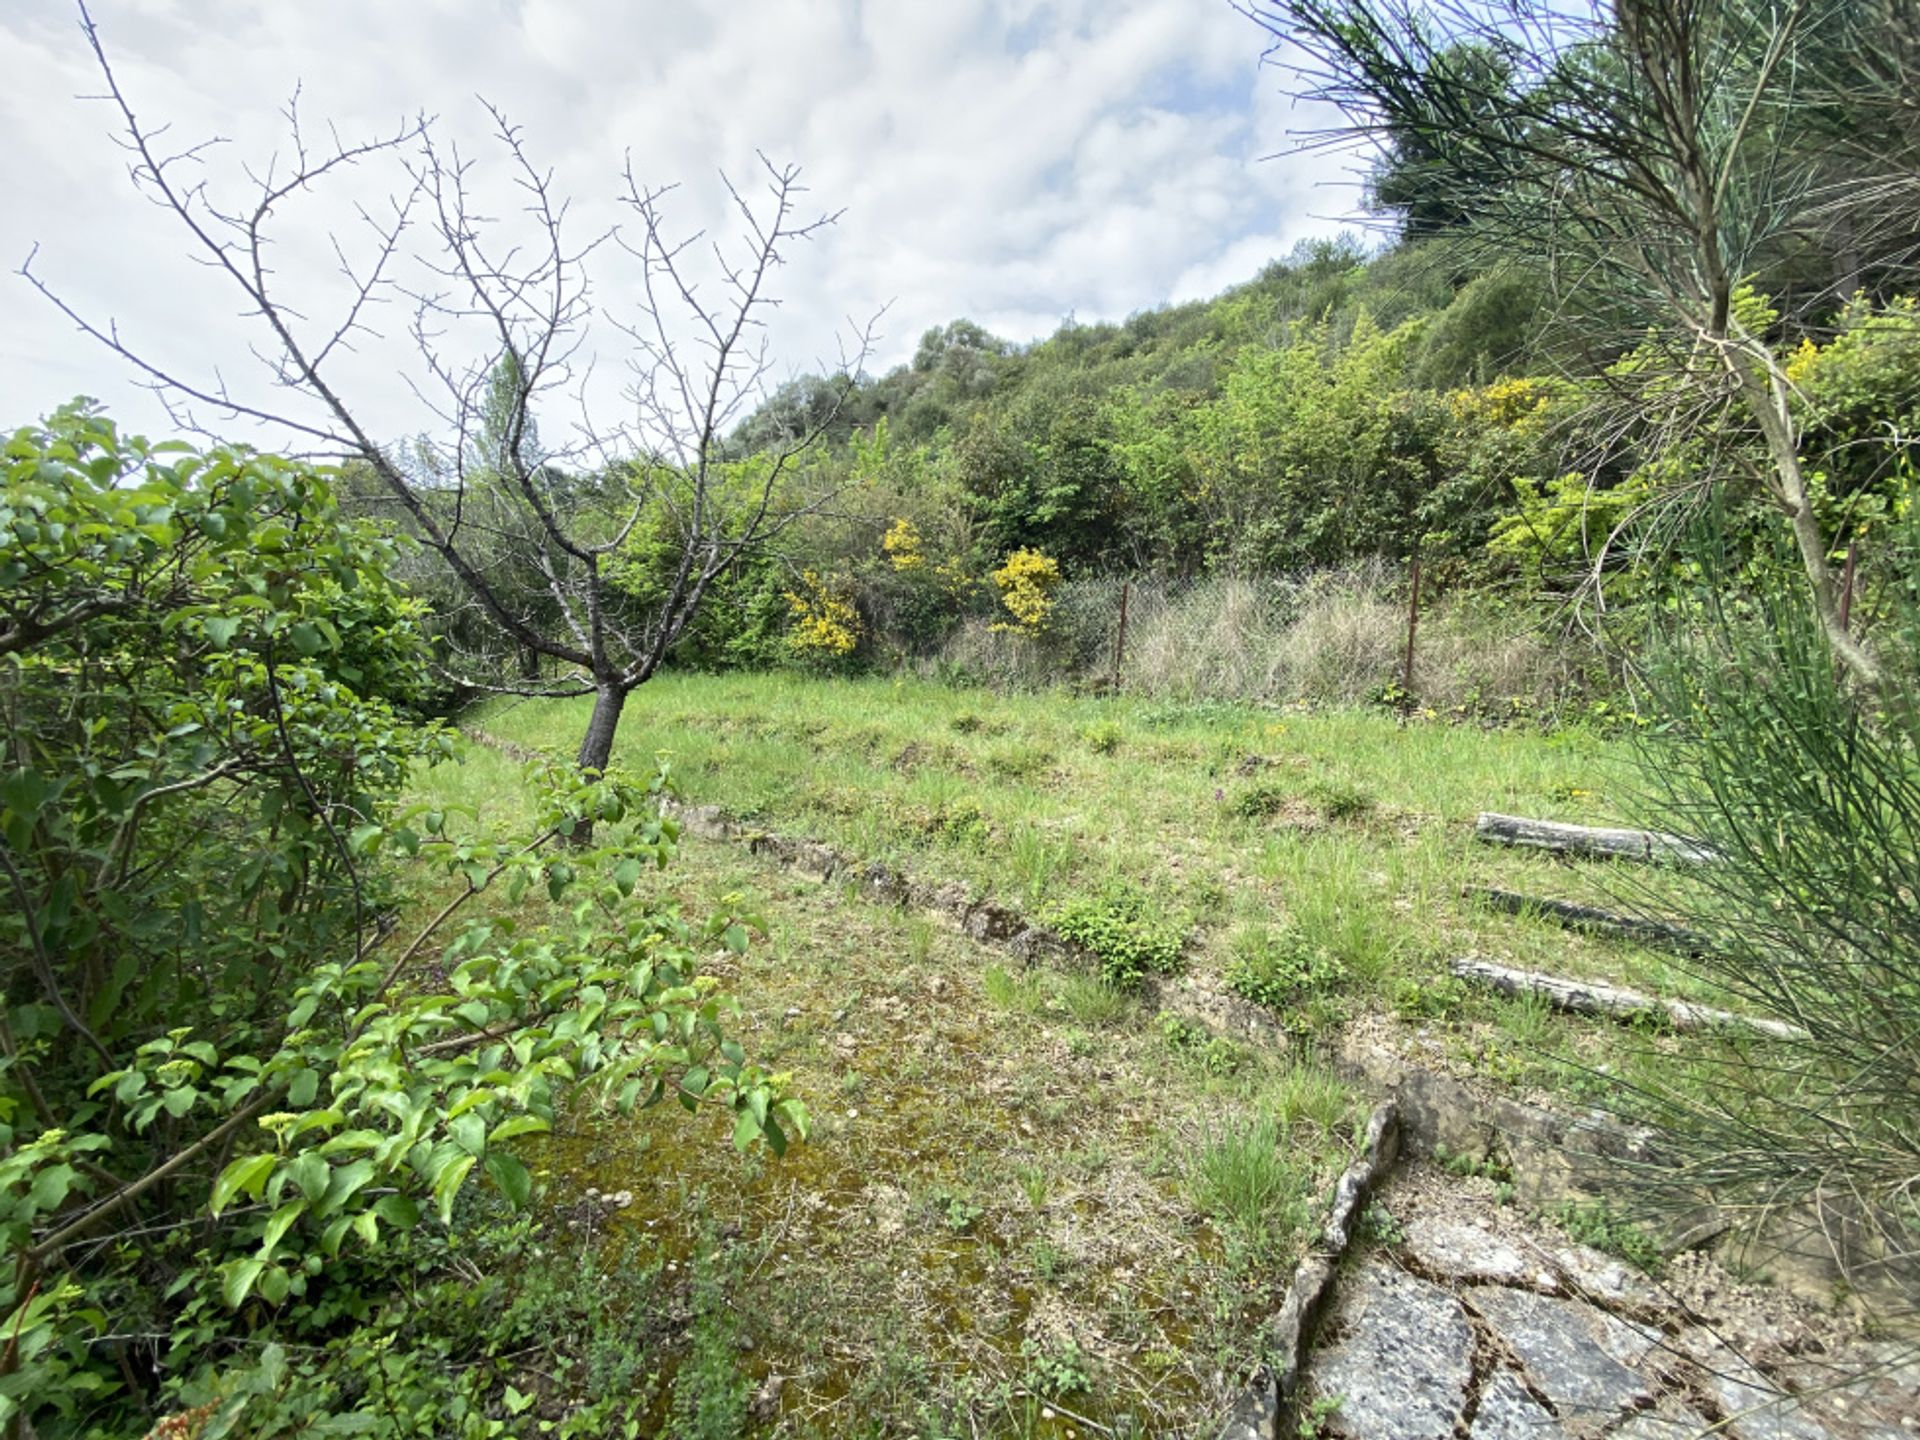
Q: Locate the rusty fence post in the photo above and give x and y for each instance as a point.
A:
(1120, 635)
(1413, 625)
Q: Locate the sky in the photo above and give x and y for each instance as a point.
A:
(1011, 161)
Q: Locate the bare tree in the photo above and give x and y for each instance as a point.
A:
(540, 540)
(1650, 154)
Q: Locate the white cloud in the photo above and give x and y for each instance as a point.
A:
(1010, 160)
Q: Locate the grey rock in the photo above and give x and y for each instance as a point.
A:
(1508, 1412)
(1759, 1410)
(1577, 1355)
(1465, 1251)
(1401, 1370)
(1671, 1421)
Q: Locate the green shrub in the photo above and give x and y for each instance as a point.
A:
(1258, 802)
(1102, 737)
(1281, 968)
(1341, 799)
(1124, 930)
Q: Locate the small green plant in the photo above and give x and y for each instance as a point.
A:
(1018, 762)
(1314, 1417)
(1102, 737)
(710, 1390)
(1492, 1165)
(1215, 1054)
(1244, 1179)
(1034, 1184)
(1123, 931)
(1436, 999)
(1380, 1226)
(1281, 967)
(1053, 1368)
(1342, 799)
(961, 822)
(1599, 1225)
(1050, 1262)
(1258, 802)
(954, 1209)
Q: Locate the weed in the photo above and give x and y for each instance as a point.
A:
(1050, 1262)
(1034, 1183)
(1258, 802)
(1437, 999)
(710, 1390)
(1341, 799)
(1102, 737)
(1599, 1225)
(1053, 1368)
(1214, 1054)
(1380, 1226)
(1018, 762)
(1002, 989)
(1244, 1179)
(1490, 1166)
(1305, 1094)
(1314, 1417)
(1121, 930)
(1092, 1000)
(1281, 968)
(953, 1209)
(961, 822)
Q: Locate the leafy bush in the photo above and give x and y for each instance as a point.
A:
(1123, 929)
(1281, 968)
(231, 1078)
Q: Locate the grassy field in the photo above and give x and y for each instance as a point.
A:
(1236, 822)
(1031, 1206)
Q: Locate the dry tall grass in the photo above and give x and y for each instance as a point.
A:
(1334, 637)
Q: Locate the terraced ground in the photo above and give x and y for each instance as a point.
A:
(1033, 1203)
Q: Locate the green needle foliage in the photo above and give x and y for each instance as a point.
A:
(1807, 788)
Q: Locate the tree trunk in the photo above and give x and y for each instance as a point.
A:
(1765, 391)
(596, 746)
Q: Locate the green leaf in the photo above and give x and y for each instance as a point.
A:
(512, 1177)
(311, 1173)
(626, 875)
(518, 1125)
(745, 1130)
(469, 1132)
(399, 1211)
(448, 1183)
(237, 1283)
(305, 1086)
(244, 1176)
(221, 629)
(278, 1222)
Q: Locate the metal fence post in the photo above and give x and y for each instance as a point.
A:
(1120, 635)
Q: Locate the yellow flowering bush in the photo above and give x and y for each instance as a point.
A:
(1026, 583)
(903, 545)
(824, 620)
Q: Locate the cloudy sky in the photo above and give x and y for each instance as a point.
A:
(1013, 161)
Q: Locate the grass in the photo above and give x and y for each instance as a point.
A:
(1015, 1163)
(997, 1197)
(1351, 825)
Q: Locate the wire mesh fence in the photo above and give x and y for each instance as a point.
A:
(1336, 636)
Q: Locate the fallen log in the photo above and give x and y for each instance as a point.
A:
(1598, 841)
(1614, 1002)
(1590, 920)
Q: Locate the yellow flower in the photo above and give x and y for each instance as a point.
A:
(903, 546)
(1027, 581)
(824, 620)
